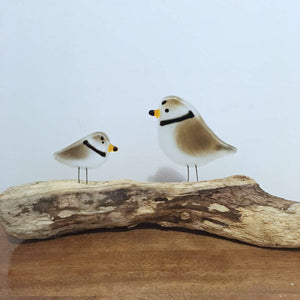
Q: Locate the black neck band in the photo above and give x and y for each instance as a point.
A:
(103, 154)
(189, 115)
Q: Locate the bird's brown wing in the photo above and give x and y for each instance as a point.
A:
(195, 138)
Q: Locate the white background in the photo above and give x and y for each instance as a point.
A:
(69, 68)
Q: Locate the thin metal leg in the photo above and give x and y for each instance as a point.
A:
(86, 176)
(196, 172)
(188, 173)
(78, 175)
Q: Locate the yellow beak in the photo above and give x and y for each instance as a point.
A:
(112, 148)
(155, 113)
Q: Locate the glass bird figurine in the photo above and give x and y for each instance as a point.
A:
(88, 152)
(184, 136)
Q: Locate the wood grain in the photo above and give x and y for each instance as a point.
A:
(145, 263)
(234, 207)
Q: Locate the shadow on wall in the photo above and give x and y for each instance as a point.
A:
(166, 174)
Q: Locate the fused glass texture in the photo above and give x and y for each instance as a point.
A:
(88, 152)
(184, 136)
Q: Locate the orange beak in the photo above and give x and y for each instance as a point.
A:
(112, 148)
(155, 113)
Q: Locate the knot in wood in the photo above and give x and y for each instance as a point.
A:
(185, 215)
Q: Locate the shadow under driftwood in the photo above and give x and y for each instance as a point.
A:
(147, 226)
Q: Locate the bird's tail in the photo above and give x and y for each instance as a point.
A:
(232, 149)
(226, 147)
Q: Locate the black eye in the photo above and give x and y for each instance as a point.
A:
(164, 102)
(166, 110)
(102, 138)
(102, 142)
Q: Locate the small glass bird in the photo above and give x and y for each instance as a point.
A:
(88, 152)
(185, 137)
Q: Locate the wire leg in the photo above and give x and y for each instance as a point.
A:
(78, 175)
(86, 176)
(196, 172)
(188, 173)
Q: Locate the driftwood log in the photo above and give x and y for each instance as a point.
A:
(234, 207)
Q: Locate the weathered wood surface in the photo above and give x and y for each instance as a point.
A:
(234, 207)
(146, 263)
